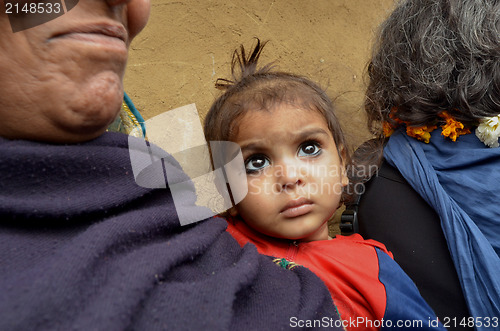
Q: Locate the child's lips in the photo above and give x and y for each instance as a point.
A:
(297, 207)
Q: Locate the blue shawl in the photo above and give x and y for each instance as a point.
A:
(459, 180)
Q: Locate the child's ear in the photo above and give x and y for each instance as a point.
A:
(345, 180)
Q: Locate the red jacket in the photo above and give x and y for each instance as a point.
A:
(348, 266)
(368, 287)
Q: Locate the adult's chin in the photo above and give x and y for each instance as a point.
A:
(89, 112)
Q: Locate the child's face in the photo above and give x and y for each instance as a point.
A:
(294, 172)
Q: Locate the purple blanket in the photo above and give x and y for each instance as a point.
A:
(83, 247)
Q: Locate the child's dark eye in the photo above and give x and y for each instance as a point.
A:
(256, 163)
(309, 148)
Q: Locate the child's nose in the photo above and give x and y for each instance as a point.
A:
(290, 174)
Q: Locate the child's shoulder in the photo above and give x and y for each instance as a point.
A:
(357, 242)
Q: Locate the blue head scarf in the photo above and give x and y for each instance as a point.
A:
(459, 180)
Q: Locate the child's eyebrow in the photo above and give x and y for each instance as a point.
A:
(302, 135)
(251, 146)
(296, 136)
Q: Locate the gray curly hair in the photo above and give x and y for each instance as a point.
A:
(432, 56)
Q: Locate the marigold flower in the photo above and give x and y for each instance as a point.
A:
(387, 129)
(422, 133)
(452, 128)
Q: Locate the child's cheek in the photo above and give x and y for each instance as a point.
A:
(254, 185)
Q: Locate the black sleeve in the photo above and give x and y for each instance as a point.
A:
(391, 212)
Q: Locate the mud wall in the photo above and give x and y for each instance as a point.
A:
(187, 45)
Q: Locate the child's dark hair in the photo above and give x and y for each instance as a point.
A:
(254, 88)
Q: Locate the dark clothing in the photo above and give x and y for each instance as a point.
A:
(82, 246)
(411, 230)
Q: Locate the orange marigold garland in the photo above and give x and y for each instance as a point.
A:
(422, 133)
(452, 128)
(488, 130)
(387, 128)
